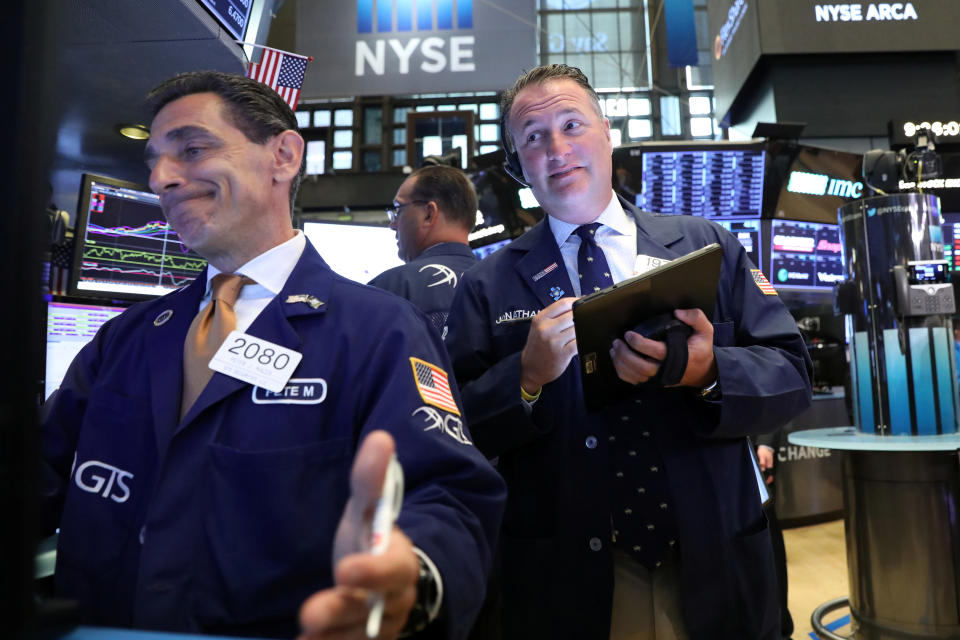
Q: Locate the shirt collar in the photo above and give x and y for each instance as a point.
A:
(271, 268)
(612, 216)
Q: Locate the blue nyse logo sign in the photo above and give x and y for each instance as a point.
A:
(430, 15)
(433, 53)
(415, 46)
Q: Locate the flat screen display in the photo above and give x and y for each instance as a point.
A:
(748, 233)
(125, 248)
(811, 183)
(355, 251)
(234, 15)
(805, 255)
(709, 181)
(487, 249)
(951, 245)
(69, 327)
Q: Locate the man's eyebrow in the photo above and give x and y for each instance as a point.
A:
(178, 134)
(565, 112)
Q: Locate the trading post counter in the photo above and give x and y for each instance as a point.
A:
(808, 479)
(901, 497)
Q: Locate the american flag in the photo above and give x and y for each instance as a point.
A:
(433, 385)
(763, 283)
(282, 72)
(61, 261)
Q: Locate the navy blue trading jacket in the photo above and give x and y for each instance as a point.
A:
(430, 279)
(557, 567)
(223, 522)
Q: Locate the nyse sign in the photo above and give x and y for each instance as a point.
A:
(400, 47)
(432, 54)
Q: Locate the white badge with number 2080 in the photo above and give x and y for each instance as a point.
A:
(255, 360)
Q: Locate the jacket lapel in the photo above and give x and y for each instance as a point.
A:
(309, 283)
(164, 355)
(542, 268)
(652, 239)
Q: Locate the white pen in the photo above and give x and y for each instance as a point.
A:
(388, 508)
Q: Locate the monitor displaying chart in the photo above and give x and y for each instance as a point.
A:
(124, 247)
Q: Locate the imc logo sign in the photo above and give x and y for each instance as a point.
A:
(395, 35)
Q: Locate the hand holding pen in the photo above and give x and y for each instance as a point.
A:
(362, 573)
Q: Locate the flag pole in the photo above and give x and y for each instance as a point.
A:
(263, 46)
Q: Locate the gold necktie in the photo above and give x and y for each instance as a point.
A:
(209, 329)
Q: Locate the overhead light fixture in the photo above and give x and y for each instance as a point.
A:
(133, 131)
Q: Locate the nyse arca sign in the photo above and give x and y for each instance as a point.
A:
(413, 46)
(865, 12)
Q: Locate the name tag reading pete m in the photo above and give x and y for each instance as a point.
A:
(255, 360)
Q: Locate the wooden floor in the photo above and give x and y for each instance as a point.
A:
(817, 572)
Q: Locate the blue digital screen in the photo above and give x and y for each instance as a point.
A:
(748, 233)
(716, 183)
(487, 249)
(232, 14)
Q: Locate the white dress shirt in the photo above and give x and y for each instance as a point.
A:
(270, 270)
(617, 236)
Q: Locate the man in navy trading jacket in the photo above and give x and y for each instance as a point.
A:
(225, 507)
(433, 212)
(642, 520)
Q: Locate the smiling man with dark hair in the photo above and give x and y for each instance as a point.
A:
(201, 493)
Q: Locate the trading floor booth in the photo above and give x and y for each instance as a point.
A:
(901, 470)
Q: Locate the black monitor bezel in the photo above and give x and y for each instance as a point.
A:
(79, 233)
(638, 150)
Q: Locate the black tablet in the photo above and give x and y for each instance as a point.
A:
(686, 282)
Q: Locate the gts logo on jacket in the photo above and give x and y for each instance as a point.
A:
(104, 479)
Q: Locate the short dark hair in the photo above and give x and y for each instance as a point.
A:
(451, 189)
(539, 75)
(251, 106)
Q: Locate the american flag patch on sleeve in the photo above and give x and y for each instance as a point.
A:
(433, 385)
(762, 283)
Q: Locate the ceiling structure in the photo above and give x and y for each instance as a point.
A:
(112, 53)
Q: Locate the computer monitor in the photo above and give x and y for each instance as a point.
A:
(811, 183)
(485, 250)
(748, 232)
(356, 251)
(124, 247)
(710, 179)
(69, 327)
(805, 255)
(951, 243)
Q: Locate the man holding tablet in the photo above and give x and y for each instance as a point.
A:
(641, 519)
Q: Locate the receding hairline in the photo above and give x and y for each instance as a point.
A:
(594, 102)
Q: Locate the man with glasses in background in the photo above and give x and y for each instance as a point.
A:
(433, 212)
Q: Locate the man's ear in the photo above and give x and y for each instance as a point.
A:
(288, 148)
(431, 214)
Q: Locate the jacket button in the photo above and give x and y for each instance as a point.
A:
(595, 544)
(591, 442)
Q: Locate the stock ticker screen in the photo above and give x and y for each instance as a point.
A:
(69, 327)
(125, 246)
(710, 183)
(805, 254)
(748, 233)
(951, 245)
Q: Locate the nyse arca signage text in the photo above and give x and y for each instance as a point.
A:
(414, 46)
(808, 26)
